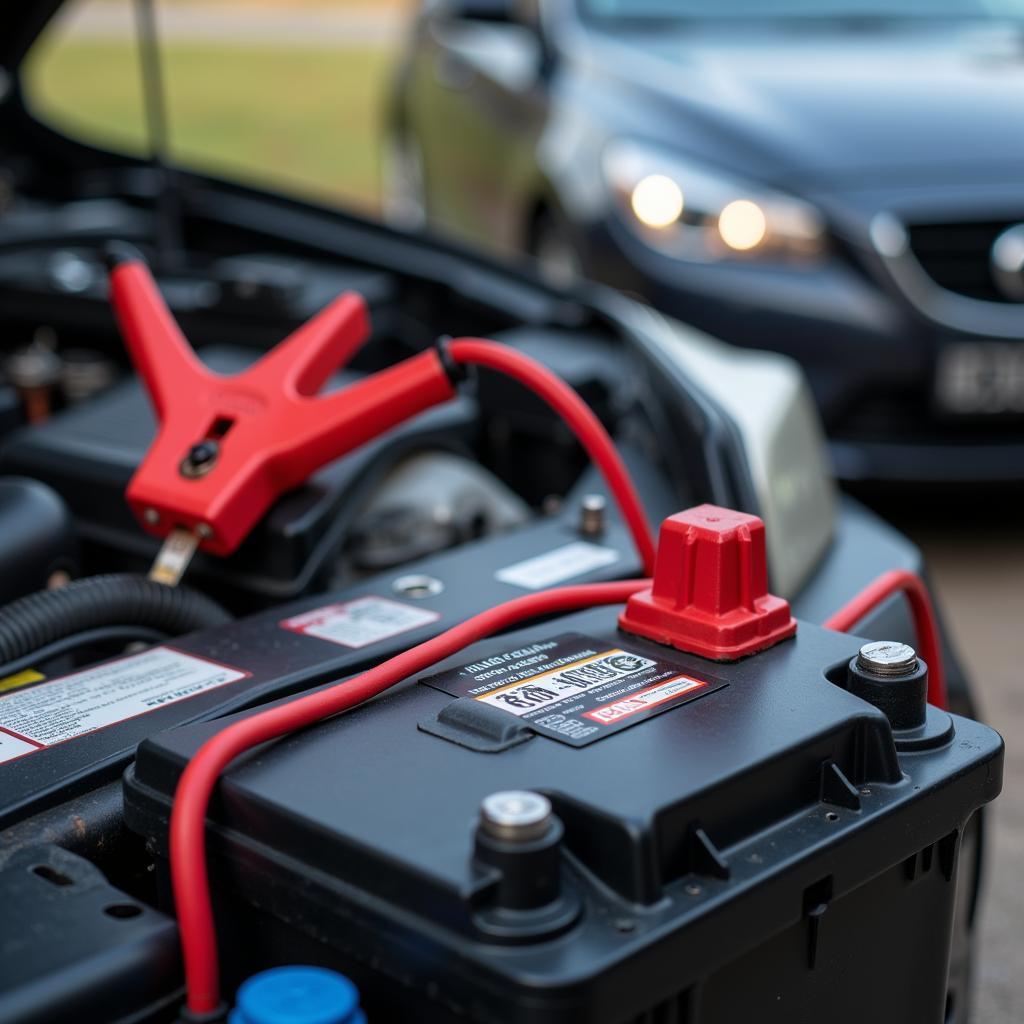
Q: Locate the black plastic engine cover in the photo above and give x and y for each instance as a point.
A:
(760, 847)
(75, 948)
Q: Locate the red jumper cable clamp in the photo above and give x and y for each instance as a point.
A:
(228, 446)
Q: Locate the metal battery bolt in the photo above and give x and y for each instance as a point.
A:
(515, 816)
(889, 675)
(592, 514)
(520, 836)
(887, 658)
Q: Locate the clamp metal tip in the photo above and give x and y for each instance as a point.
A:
(174, 557)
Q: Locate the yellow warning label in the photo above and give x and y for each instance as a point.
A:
(30, 675)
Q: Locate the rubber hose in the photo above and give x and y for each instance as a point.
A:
(33, 622)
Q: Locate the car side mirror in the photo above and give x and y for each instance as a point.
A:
(491, 38)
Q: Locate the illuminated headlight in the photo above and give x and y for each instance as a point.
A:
(656, 201)
(696, 213)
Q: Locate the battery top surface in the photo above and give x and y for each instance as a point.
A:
(637, 746)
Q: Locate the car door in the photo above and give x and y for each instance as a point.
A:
(478, 100)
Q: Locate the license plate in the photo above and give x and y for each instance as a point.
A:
(984, 378)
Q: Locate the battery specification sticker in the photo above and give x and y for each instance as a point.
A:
(573, 688)
(361, 622)
(564, 563)
(62, 709)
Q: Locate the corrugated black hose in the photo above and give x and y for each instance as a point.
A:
(105, 607)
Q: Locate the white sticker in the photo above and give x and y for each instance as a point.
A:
(12, 747)
(74, 705)
(361, 622)
(556, 566)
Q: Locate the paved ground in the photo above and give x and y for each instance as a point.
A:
(978, 569)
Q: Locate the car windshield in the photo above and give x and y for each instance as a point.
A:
(697, 10)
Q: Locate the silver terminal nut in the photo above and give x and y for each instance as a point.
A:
(887, 658)
(592, 514)
(515, 815)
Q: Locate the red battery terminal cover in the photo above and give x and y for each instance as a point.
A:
(709, 595)
(228, 447)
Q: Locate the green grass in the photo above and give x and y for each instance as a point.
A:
(301, 119)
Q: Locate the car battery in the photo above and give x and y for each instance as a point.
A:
(571, 823)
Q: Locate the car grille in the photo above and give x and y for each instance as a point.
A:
(956, 255)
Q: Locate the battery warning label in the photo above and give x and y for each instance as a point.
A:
(70, 706)
(573, 688)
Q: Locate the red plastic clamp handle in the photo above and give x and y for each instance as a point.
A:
(269, 429)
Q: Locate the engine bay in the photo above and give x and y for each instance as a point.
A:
(557, 812)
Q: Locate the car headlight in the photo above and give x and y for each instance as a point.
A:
(694, 212)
